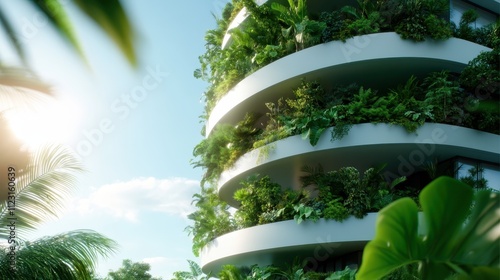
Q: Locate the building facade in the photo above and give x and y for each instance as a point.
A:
(383, 62)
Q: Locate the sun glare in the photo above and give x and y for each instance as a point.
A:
(51, 123)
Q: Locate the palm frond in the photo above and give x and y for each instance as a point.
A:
(113, 20)
(42, 189)
(22, 78)
(58, 17)
(194, 268)
(71, 255)
(109, 15)
(11, 35)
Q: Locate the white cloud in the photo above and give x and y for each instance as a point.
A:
(129, 199)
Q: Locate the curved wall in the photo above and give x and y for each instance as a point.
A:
(376, 60)
(366, 145)
(281, 242)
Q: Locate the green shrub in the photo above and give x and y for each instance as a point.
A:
(210, 220)
(263, 201)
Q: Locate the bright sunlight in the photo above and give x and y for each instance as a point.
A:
(39, 119)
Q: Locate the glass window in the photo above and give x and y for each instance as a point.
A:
(492, 174)
(478, 174)
(457, 8)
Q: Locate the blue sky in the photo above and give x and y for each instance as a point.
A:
(134, 129)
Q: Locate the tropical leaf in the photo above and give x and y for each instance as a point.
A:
(70, 255)
(111, 17)
(20, 78)
(41, 190)
(446, 241)
(11, 35)
(58, 17)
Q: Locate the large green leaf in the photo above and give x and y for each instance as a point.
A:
(396, 241)
(478, 243)
(449, 240)
(445, 204)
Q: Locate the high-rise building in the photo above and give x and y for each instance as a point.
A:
(380, 61)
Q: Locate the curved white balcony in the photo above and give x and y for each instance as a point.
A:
(377, 60)
(366, 145)
(281, 242)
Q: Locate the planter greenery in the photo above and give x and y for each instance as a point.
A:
(273, 31)
(210, 220)
(340, 194)
(469, 100)
(295, 272)
(225, 145)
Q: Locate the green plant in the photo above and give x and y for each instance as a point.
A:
(230, 272)
(210, 220)
(263, 201)
(345, 192)
(335, 210)
(448, 240)
(275, 128)
(40, 189)
(307, 112)
(267, 55)
(134, 271)
(304, 212)
(69, 255)
(295, 17)
(346, 274)
(419, 19)
(194, 273)
(335, 26)
(314, 275)
(362, 20)
(224, 146)
(482, 75)
(266, 272)
(442, 93)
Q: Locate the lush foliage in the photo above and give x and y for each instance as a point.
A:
(40, 189)
(225, 145)
(210, 220)
(263, 201)
(255, 272)
(441, 97)
(344, 192)
(70, 255)
(450, 239)
(194, 273)
(132, 271)
(274, 31)
(335, 195)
